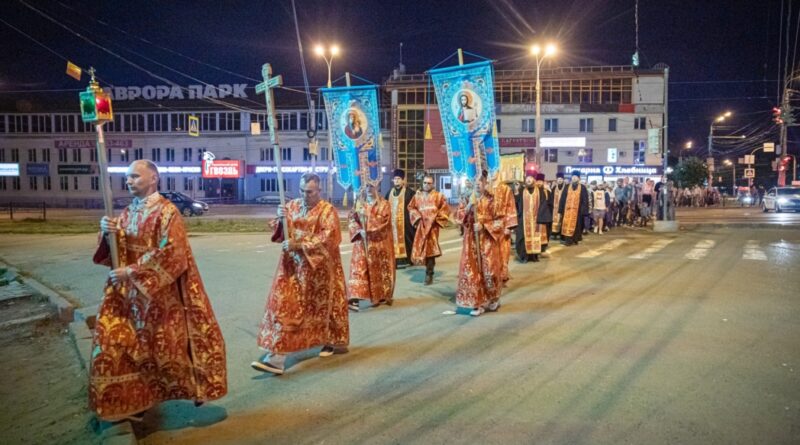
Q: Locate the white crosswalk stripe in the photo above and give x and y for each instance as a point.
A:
(701, 249)
(654, 248)
(752, 251)
(611, 245)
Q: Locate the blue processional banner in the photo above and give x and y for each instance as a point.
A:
(465, 95)
(355, 129)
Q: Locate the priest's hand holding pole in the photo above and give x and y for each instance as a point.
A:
(477, 227)
(108, 225)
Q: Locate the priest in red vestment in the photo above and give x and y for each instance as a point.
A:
(479, 273)
(372, 267)
(156, 337)
(429, 212)
(307, 304)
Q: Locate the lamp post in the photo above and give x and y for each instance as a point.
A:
(718, 119)
(687, 146)
(733, 179)
(328, 55)
(540, 54)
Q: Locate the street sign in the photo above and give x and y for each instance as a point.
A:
(194, 126)
(749, 159)
(255, 128)
(749, 173)
(654, 140)
(741, 161)
(769, 147)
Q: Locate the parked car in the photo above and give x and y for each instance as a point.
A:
(185, 204)
(272, 198)
(781, 198)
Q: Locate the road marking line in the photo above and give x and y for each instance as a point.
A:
(453, 249)
(752, 251)
(654, 248)
(611, 245)
(701, 249)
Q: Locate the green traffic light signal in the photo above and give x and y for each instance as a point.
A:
(88, 108)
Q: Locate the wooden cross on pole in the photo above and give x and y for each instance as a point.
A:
(266, 87)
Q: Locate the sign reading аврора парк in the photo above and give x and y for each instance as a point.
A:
(170, 92)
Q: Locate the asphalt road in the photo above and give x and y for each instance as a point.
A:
(631, 337)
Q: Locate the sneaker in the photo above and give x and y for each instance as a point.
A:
(266, 366)
(329, 350)
(595, 230)
(477, 312)
(493, 307)
(353, 305)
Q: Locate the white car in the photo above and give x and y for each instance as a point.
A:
(781, 198)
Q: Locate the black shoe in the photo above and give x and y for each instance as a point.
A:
(428, 280)
(138, 417)
(353, 305)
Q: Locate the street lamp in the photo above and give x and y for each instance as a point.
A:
(540, 54)
(687, 146)
(331, 51)
(718, 119)
(733, 180)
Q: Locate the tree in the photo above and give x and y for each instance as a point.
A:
(690, 172)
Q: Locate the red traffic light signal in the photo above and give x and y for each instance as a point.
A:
(777, 115)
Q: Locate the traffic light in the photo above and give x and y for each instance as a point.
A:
(777, 115)
(96, 106)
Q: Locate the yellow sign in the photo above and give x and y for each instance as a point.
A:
(73, 71)
(255, 128)
(512, 167)
(194, 126)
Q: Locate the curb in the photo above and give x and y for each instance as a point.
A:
(64, 308)
(744, 225)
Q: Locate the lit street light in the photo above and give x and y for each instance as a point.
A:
(540, 54)
(718, 119)
(331, 51)
(733, 181)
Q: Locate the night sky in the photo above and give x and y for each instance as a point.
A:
(722, 54)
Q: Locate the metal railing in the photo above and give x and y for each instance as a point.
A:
(24, 210)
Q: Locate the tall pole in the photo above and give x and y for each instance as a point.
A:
(710, 143)
(665, 129)
(330, 141)
(105, 185)
(538, 122)
(733, 184)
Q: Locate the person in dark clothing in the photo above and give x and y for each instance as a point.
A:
(403, 232)
(535, 215)
(573, 207)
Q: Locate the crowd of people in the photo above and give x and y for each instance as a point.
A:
(157, 337)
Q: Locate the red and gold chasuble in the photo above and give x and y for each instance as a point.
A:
(535, 233)
(307, 304)
(480, 284)
(156, 337)
(504, 201)
(571, 211)
(557, 216)
(397, 202)
(432, 212)
(372, 271)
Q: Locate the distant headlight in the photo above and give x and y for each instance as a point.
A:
(782, 200)
(197, 205)
(747, 199)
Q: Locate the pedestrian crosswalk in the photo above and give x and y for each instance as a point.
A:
(630, 248)
(701, 249)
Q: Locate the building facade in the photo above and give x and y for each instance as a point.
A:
(596, 119)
